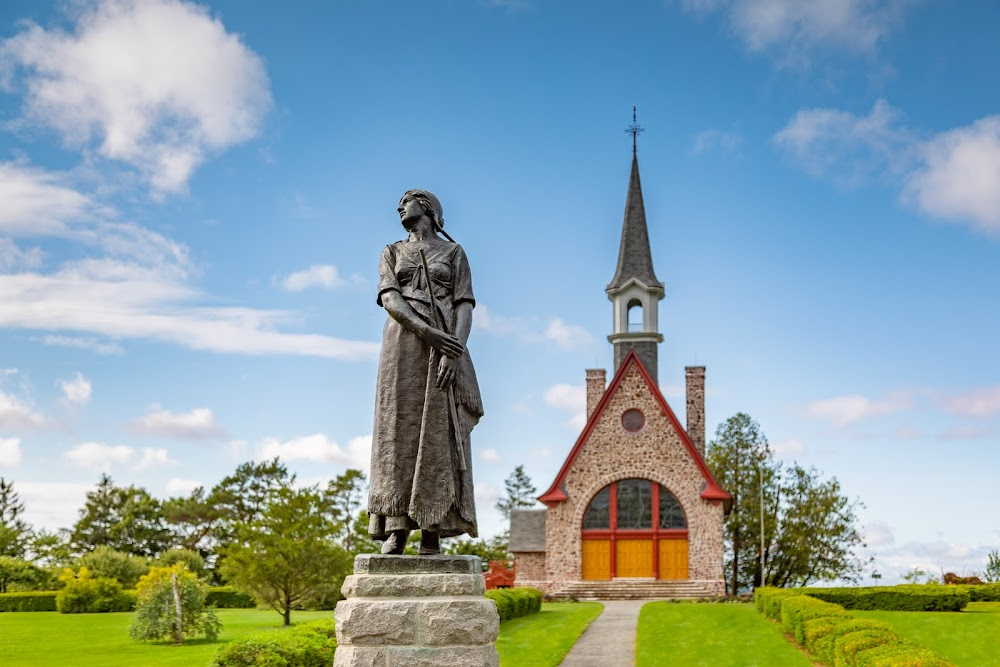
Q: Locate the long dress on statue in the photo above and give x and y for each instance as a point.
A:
(417, 480)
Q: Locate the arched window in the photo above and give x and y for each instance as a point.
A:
(634, 528)
(635, 321)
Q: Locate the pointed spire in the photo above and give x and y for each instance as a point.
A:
(634, 257)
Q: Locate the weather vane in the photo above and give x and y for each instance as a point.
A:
(635, 129)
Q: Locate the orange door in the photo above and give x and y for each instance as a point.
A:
(596, 559)
(673, 559)
(634, 558)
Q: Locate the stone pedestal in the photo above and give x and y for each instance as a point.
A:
(416, 611)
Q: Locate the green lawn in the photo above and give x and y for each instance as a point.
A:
(970, 638)
(544, 639)
(712, 635)
(38, 639)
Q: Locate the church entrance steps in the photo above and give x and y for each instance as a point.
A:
(636, 589)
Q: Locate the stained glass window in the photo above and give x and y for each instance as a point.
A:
(635, 504)
(633, 420)
(599, 511)
(671, 513)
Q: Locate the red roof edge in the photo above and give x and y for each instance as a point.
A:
(556, 494)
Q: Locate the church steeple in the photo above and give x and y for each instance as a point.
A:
(635, 291)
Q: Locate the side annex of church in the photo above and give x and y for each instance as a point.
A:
(634, 511)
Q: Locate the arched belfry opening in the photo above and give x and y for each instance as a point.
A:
(634, 528)
(635, 312)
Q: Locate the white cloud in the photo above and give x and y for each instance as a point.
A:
(845, 410)
(490, 455)
(83, 343)
(15, 415)
(712, 140)
(960, 175)
(156, 84)
(10, 452)
(52, 505)
(531, 330)
(567, 336)
(76, 390)
(878, 534)
(98, 456)
(847, 148)
(571, 398)
(13, 258)
(982, 402)
(238, 449)
(198, 424)
(954, 175)
(324, 276)
(181, 487)
(153, 458)
(796, 27)
(123, 300)
(487, 494)
(789, 446)
(318, 449)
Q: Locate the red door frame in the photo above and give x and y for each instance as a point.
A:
(655, 533)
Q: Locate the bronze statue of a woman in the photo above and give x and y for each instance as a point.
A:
(427, 398)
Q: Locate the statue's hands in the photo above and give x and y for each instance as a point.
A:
(447, 372)
(445, 343)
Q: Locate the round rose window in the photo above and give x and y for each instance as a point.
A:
(633, 420)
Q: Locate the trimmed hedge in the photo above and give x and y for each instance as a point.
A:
(516, 602)
(983, 593)
(307, 645)
(834, 637)
(31, 601)
(895, 598)
(227, 597)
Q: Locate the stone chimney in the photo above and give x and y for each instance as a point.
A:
(596, 382)
(695, 376)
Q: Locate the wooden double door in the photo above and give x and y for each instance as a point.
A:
(661, 558)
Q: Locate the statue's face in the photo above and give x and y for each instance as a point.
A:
(410, 210)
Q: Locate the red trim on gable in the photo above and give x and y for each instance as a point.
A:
(556, 494)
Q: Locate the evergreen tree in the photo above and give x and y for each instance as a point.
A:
(127, 519)
(15, 533)
(520, 492)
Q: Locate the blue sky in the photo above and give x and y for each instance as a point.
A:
(193, 198)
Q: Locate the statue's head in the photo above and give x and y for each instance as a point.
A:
(431, 204)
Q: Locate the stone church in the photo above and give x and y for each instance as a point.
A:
(634, 510)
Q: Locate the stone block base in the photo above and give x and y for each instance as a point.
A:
(416, 611)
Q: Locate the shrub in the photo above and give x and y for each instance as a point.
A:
(515, 602)
(796, 610)
(847, 647)
(307, 645)
(895, 598)
(227, 597)
(821, 637)
(192, 560)
(767, 600)
(984, 593)
(156, 606)
(899, 655)
(33, 601)
(108, 563)
(85, 594)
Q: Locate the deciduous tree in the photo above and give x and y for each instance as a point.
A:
(286, 553)
(810, 528)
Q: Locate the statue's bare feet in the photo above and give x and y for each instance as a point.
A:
(430, 543)
(396, 542)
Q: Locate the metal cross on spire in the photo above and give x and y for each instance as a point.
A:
(635, 129)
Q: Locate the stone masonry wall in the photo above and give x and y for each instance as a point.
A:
(529, 570)
(611, 453)
(695, 384)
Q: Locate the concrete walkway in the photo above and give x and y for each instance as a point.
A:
(610, 639)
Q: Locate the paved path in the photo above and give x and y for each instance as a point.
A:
(610, 639)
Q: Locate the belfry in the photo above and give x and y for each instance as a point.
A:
(634, 511)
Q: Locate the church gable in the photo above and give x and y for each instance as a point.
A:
(633, 429)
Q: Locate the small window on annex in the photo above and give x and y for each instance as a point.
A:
(634, 504)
